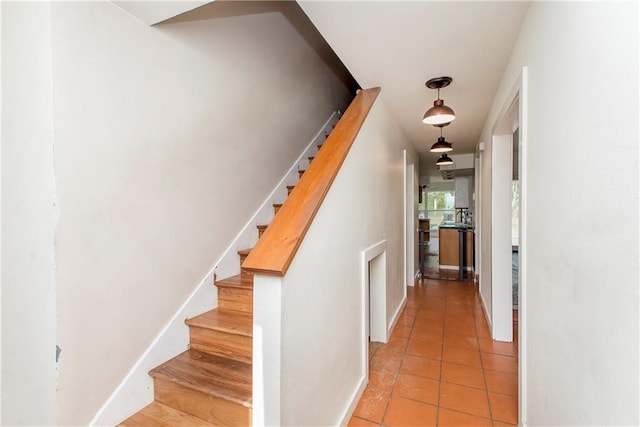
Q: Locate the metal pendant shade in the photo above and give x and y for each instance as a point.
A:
(440, 114)
(444, 160)
(441, 146)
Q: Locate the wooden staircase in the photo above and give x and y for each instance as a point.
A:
(210, 383)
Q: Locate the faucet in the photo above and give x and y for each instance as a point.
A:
(465, 216)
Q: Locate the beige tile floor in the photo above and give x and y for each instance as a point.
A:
(440, 366)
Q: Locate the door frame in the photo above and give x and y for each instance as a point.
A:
(409, 222)
(519, 94)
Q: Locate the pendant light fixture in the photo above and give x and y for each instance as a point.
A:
(444, 160)
(439, 114)
(441, 146)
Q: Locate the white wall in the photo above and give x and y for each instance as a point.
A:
(322, 331)
(416, 232)
(28, 216)
(152, 12)
(411, 224)
(582, 211)
(167, 139)
(484, 226)
(501, 260)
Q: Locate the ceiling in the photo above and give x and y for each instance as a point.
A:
(400, 45)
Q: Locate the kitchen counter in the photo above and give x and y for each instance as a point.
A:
(448, 245)
(424, 227)
(456, 225)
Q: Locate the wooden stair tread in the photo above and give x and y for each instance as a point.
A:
(158, 415)
(213, 375)
(244, 251)
(277, 205)
(238, 281)
(233, 322)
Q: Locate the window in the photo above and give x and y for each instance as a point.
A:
(440, 207)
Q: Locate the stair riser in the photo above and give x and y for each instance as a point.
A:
(260, 231)
(236, 347)
(209, 408)
(276, 209)
(235, 299)
(242, 272)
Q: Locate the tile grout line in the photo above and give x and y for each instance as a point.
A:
(397, 373)
(484, 375)
(459, 298)
(444, 320)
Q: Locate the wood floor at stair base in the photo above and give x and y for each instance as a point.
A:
(235, 347)
(156, 415)
(204, 406)
(235, 299)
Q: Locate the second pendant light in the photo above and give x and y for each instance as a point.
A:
(444, 160)
(441, 146)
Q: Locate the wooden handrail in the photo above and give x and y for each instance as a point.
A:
(275, 250)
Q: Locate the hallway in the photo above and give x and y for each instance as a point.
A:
(440, 366)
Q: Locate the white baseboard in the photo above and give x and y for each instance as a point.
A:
(362, 384)
(353, 402)
(395, 317)
(136, 389)
(485, 312)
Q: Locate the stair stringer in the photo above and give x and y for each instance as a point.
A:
(228, 265)
(136, 388)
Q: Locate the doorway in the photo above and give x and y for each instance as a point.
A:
(377, 301)
(410, 231)
(374, 299)
(506, 219)
(515, 230)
